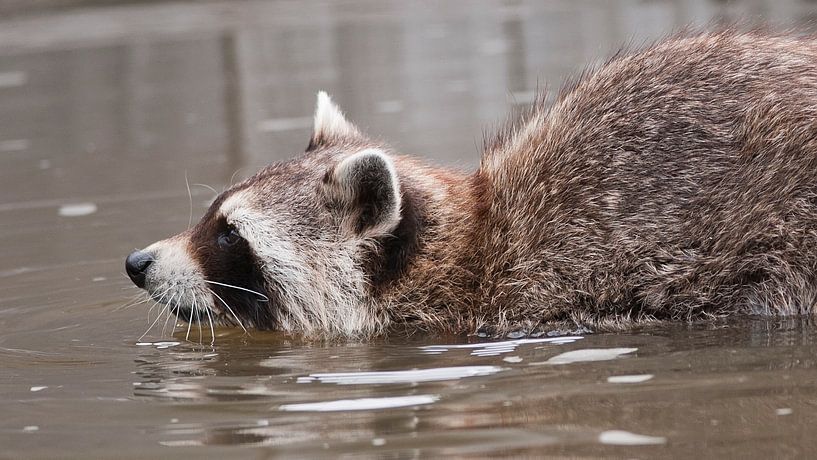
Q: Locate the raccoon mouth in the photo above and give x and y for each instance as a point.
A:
(215, 305)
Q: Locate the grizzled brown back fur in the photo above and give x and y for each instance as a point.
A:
(677, 182)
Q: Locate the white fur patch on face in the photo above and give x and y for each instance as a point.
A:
(174, 278)
(329, 120)
(318, 284)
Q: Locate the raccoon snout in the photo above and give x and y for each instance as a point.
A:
(136, 265)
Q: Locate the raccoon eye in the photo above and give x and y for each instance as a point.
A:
(228, 238)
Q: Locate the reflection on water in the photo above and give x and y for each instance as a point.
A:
(104, 113)
(670, 387)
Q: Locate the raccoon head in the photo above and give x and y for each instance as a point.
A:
(287, 248)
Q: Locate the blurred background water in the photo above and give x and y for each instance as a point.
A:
(108, 107)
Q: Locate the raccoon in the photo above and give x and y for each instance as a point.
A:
(677, 182)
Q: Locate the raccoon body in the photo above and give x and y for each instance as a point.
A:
(673, 183)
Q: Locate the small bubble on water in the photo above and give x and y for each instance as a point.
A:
(629, 378)
(77, 209)
(14, 145)
(625, 438)
(13, 78)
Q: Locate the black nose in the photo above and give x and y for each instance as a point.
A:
(136, 264)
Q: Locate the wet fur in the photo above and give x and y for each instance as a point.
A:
(673, 183)
(678, 182)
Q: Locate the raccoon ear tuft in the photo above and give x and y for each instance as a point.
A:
(366, 191)
(330, 123)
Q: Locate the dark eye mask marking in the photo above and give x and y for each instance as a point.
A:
(226, 259)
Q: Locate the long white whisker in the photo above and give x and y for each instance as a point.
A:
(233, 176)
(208, 187)
(190, 195)
(198, 316)
(159, 315)
(189, 323)
(212, 331)
(150, 310)
(135, 300)
(230, 310)
(263, 297)
(154, 323)
(157, 302)
(169, 314)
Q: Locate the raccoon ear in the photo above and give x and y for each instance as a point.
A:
(330, 124)
(365, 189)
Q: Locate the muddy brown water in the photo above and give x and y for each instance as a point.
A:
(105, 111)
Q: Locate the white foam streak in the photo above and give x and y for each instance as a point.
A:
(408, 376)
(361, 404)
(496, 348)
(77, 209)
(625, 438)
(587, 355)
(629, 378)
